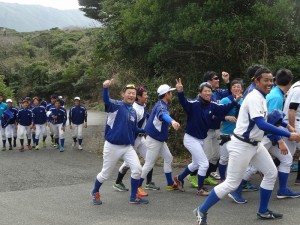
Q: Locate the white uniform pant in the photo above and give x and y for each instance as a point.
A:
(22, 130)
(241, 154)
(77, 130)
(51, 128)
(285, 160)
(11, 131)
(199, 160)
(224, 157)
(112, 153)
(140, 147)
(211, 146)
(40, 128)
(155, 148)
(57, 131)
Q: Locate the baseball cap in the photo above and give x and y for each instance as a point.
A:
(60, 97)
(53, 97)
(28, 98)
(9, 100)
(76, 98)
(164, 88)
(25, 100)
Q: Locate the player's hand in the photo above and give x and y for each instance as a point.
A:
(294, 137)
(230, 119)
(85, 125)
(71, 126)
(54, 117)
(63, 128)
(179, 86)
(16, 126)
(107, 83)
(290, 128)
(225, 77)
(283, 147)
(175, 125)
(238, 97)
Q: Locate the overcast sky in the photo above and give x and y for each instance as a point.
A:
(59, 4)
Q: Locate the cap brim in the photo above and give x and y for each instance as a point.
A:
(172, 89)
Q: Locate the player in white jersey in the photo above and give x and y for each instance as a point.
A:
(291, 110)
(246, 147)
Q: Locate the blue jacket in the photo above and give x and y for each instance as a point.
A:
(6, 117)
(14, 112)
(49, 106)
(77, 115)
(121, 122)
(44, 103)
(24, 117)
(61, 114)
(156, 127)
(39, 115)
(200, 114)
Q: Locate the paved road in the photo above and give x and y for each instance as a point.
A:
(47, 187)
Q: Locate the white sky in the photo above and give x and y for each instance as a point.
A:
(59, 4)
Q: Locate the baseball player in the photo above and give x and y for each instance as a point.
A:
(120, 129)
(58, 119)
(78, 120)
(245, 148)
(291, 110)
(5, 119)
(3, 107)
(157, 131)
(140, 142)
(39, 122)
(199, 118)
(211, 142)
(24, 119)
(53, 98)
(11, 129)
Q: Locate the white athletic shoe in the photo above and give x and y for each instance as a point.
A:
(73, 144)
(80, 147)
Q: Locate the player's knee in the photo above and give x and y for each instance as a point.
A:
(168, 159)
(136, 171)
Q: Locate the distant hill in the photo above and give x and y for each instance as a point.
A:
(26, 18)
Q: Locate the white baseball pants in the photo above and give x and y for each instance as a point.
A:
(241, 154)
(211, 146)
(58, 132)
(11, 131)
(155, 148)
(77, 131)
(112, 153)
(199, 160)
(40, 128)
(22, 130)
(140, 147)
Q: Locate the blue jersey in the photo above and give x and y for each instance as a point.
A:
(24, 117)
(61, 114)
(156, 127)
(121, 122)
(6, 117)
(200, 113)
(217, 95)
(3, 107)
(14, 111)
(39, 115)
(275, 99)
(250, 88)
(77, 115)
(44, 103)
(49, 106)
(228, 126)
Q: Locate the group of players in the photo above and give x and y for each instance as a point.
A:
(32, 118)
(255, 124)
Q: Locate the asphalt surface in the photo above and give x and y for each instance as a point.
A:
(48, 187)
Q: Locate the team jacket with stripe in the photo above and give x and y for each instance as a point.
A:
(24, 117)
(156, 127)
(14, 111)
(121, 121)
(61, 114)
(77, 115)
(200, 113)
(39, 115)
